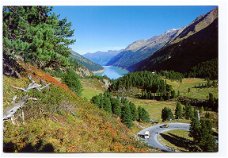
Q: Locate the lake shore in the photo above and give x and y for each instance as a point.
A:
(98, 71)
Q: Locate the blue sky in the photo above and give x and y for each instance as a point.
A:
(100, 28)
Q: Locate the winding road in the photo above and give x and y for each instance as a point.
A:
(156, 130)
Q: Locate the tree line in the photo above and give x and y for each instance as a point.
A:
(210, 104)
(152, 85)
(186, 111)
(172, 75)
(122, 108)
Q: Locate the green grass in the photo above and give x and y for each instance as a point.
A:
(198, 93)
(91, 87)
(155, 107)
(176, 139)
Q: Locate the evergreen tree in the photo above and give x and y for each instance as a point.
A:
(107, 104)
(144, 116)
(166, 114)
(116, 107)
(72, 80)
(37, 35)
(126, 117)
(195, 127)
(96, 100)
(188, 112)
(133, 111)
(207, 140)
(178, 111)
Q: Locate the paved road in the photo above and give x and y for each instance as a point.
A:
(155, 130)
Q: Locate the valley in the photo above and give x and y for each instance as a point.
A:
(155, 108)
(158, 94)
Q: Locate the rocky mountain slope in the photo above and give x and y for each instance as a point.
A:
(86, 62)
(142, 49)
(197, 43)
(100, 57)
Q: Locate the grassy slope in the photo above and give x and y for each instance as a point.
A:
(198, 93)
(176, 139)
(62, 122)
(91, 87)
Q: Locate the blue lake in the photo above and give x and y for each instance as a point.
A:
(112, 72)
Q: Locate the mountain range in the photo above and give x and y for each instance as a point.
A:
(142, 49)
(176, 49)
(102, 57)
(90, 65)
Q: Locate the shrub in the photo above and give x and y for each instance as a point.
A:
(72, 81)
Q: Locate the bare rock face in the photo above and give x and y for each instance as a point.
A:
(83, 72)
(106, 83)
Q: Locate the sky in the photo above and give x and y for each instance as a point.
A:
(102, 28)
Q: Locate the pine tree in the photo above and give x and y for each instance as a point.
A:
(207, 140)
(133, 111)
(126, 117)
(96, 100)
(36, 35)
(188, 112)
(178, 111)
(195, 127)
(144, 116)
(107, 104)
(73, 82)
(116, 107)
(166, 114)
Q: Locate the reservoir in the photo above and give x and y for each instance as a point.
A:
(112, 72)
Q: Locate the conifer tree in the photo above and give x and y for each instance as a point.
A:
(116, 107)
(178, 111)
(188, 112)
(126, 117)
(207, 140)
(166, 114)
(133, 111)
(37, 35)
(107, 104)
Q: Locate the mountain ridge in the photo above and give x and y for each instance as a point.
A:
(90, 65)
(186, 51)
(141, 49)
(101, 57)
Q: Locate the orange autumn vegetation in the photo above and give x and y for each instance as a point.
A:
(39, 74)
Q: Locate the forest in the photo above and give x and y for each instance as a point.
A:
(152, 85)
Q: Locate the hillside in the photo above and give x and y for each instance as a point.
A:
(60, 121)
(200, 47)
(86, 62)
(142, 49)
(102, 58)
